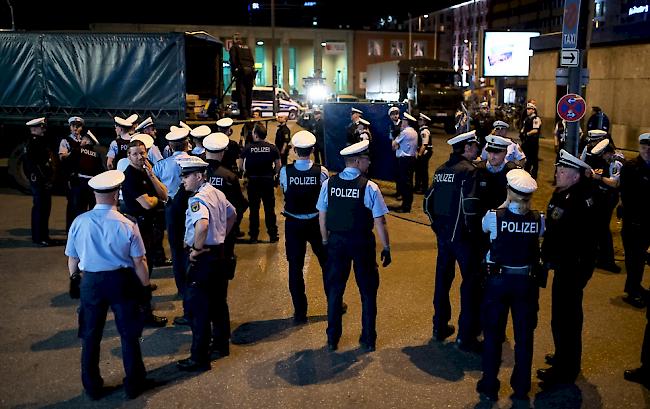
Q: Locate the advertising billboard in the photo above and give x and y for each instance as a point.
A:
(506, 53)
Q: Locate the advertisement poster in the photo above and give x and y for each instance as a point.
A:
(375, 48)
(507, 54)
(397, 48)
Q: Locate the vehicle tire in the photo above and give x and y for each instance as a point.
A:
(293, 114)
(15, 169)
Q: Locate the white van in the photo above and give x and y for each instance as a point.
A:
(263, 99)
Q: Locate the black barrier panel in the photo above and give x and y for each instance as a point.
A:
(336, 119)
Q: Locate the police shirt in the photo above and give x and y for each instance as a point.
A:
(259, 158)
(514, 236)
(635, 191)
(69, 145)
(492, 183)
(611, 170)
(301, 183)
(282, 137)
(407, 143)
(136, 184)
(210, 204)
(224, 180)
(118, 148)
(198, 151)
(372, 198)
(513, 153)
(530, 123)
(168, 171)
(241, 57)
(103, 239)
(154, 155)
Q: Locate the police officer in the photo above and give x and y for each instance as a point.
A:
(452, 206)
(635, 196)
(642, 374)
(598, 120)
(220, 177)
(482, 122)
(425, 151)
(233, 151)
(88, 164)
(37, 165)
(405, 147)
(283, 137)
(349, 206)
(143, 192)
(569, 248)
(261, 164)
(395, 122)
(351, 130)
(606, 176)
(492, 173)
(107, 256)
(512, 262)
(587, 144)
(168, 171)
(242, 67)
(147, 127)
(514, 152)
(363, 131)
(198, 134)
(117, 149)
(301, 183)
(529, 135)
(68, 157)
(208, 221)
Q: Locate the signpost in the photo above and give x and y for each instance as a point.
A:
(569, 58)
(571, 107)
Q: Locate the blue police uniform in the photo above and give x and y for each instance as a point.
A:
(510, 285)
(37, 165)
(118, 149)
(422, 161)
(406, 155)
(73, 189)
(301, 183)
(351, 202)
(105, 241)
(207, 285)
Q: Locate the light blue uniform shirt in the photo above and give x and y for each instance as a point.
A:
(495, 169)
(408, 143)
(302, 164)
(112, 148)
(513, 153)
(372, 199)
(198, 151)
(168, 171)
(154, 155)
(103, 239)
(211, 204)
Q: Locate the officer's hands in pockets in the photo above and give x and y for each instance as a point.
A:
(385, 257)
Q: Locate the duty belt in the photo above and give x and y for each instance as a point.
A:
(524, 270)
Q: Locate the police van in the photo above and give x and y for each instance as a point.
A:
(263, 99)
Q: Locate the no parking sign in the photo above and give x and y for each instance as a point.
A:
(571, 107)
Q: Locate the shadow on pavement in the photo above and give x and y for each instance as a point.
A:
(68, 339)
(569, 396)
(63, 300)
(316, 366)
(443, 360)
(162, 342)
(12, 243)
(268, 330)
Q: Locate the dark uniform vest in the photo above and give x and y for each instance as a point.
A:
(70, 164)
(447, 186)
(517, 240)
(346, 211)
(528, 126)
(303, 189)
(492, 186)
(282, 136)
(89, 162)
(122, 148)
(260, 157)
(241, 56)
(395, 129)
(221, 178)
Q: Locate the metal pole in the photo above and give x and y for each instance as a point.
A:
(274, 73)
(410, 42)
(11, 9)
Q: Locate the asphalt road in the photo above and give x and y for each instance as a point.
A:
(276, 365)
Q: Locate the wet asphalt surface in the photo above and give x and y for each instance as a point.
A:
(274, 364)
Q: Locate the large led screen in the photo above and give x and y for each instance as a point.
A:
(506, 53)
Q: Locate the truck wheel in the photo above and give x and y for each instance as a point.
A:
(15, 169)
(293, 114)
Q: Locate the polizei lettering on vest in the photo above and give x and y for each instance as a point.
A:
(303, 180)
(215, 181)
(520, 227)
(259, 149)
(88, 152)
(444, 177)
(340, 192)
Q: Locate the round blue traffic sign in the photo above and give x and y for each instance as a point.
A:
(571, 107)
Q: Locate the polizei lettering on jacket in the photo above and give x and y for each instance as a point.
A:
(216, 181)
(303, 180)
(88, 152)
(444, 177)
(259, 149)
(520, 227)
(341, 192)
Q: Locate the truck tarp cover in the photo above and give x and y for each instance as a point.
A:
(61, 70)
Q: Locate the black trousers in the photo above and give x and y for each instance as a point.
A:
(298, 233)
(261, 189)
(422, 171)
(41, 208)
(76, 199)
(519, 294)
(636, 240)
(319, 153)
(244, 81)
(466, 253)
(206, 298)
(531, 149)
(343, 251)
(118, 290)
(569, 282)
(175, 219)
(405, 169)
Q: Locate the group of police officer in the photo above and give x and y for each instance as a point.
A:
(203, 203)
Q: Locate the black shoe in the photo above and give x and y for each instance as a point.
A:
(155, 321)
(190, 365)
(182, 320)
(440, 334)
(332, 346)
(472, 346)
(240, 234)
(551, 377)
(611, 267)
(366, 347)
(153, 287)
(549, 359)
(253, 240)
(43, 243)
(344, 308)
(638, 375)
(485, 394)
(219, 352)
(299, 319)
(635, 300)
(274, 239)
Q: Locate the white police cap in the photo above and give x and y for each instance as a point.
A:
(531, 105)
(357, 149)
(144, 138)
(303, 139)
(500, 125)
(225, 122)
(201, 131)
(409, 117)
(466, 137)
(124, 123)
(600, 147)
(357, 111)
(569, 161)
(192, 164)
(520, 182)
(108, 181)
(144, 124)
(36, 121)
(363, 121)
(184, 125)
(176, 134)
(644, 138)
(132, 118)
(497, 143)
(74, 119)
(596, 134)
(216, 142)
(122, 164)
(426, 118)
(92, 137)
(393, 109)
